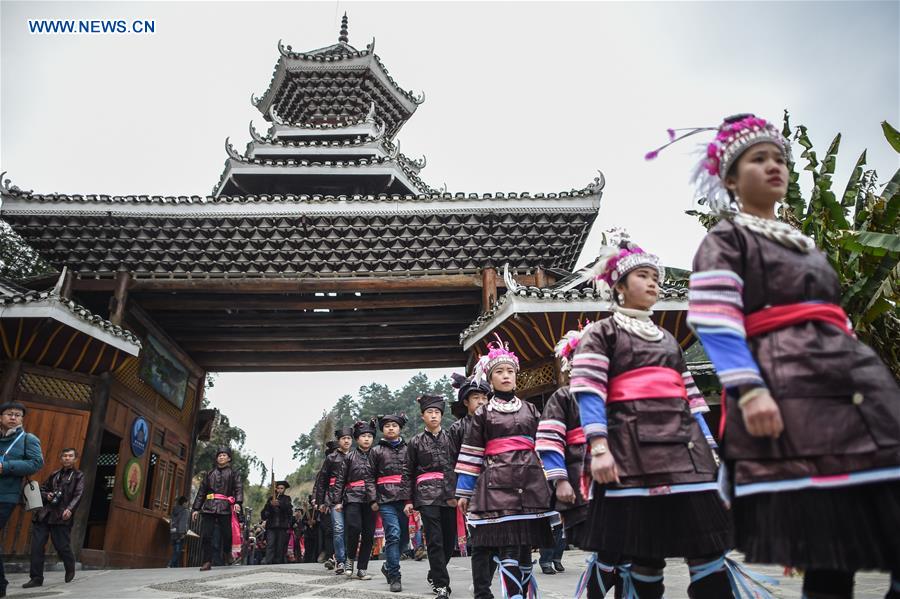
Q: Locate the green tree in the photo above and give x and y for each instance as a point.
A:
(374, 399)
(18, 260)
(859, 232)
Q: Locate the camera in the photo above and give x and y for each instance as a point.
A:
(55, 498)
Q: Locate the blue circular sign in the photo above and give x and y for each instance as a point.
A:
(140, 436)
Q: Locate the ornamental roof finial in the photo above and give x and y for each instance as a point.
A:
(345, 35)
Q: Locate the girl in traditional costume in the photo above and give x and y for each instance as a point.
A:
(561, 445)
(811, 416)
(652, 456)
(496, 469)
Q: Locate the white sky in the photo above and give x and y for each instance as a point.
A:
(520, 97)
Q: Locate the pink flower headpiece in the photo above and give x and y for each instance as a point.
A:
(615, 263)
(733, 137)
(566, 346)
(499, 353)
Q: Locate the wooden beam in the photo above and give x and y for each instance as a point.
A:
(93, 438)
(313, 335)
(488, 288)
(333, 360)
(9, 381)
(119, 299)
(194, 322)
(320, 345)
(194, 302)
(540, 277)
(409, 284)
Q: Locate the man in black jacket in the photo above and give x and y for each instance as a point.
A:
(220, 495)
(429, 476)
(330, 494)
(278, 514)
(389, 459)
(61, 493)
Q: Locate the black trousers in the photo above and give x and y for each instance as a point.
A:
(359, 525)
(439, 526)
(483, 569)
(276, 545)
(209, 523)
(60, 534)
(327, 532)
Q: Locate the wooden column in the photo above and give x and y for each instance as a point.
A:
(192, 442)
(90, 453)
(488, 288)
(9, 381)
(119, 299)
(540, 277)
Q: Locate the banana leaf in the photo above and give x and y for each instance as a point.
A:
(892, 135)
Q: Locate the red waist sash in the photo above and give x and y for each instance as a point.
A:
(357, 483)
(332, 481)
(391, 479)
(429, 476)
(575, 437)
(779, 317)
(222, 497)
(649, 382)
(504, 444)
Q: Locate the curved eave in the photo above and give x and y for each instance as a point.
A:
(583, 201)
(367, 61)
(54, 309)
(386, 169)
(511, 305)
(370, 146)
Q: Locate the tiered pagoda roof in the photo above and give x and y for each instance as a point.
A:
(334, 113)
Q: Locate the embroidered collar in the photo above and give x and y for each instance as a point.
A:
(776, 230)
(637, 322)
(506, 407)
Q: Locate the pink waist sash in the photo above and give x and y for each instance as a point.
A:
(357, 483)
(332, 481)
(429, 476)
(222, 497)
(391, 479)
(575, 437)
(649, 382)
(504, 444)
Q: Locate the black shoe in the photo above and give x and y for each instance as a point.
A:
(34, 582)
(434, 589)
(385, 573)
(559, 567)
(70, 575)
(443, 593)
(2, 591)
(547, 569)
(396, 587)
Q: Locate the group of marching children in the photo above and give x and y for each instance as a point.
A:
(806, 473)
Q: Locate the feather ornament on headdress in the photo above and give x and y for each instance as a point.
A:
(499, 353)
(733, 137)
(565, 347)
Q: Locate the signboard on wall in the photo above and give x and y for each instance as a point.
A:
(163, 372)
(133, 479)
(140, 436)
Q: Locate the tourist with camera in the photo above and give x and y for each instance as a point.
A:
(61, 493)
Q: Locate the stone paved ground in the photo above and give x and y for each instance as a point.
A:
(313, 581)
